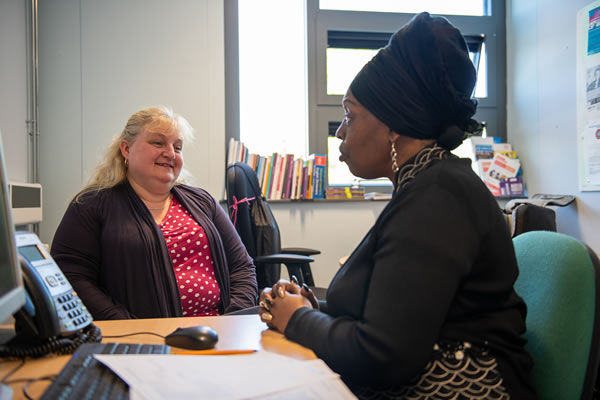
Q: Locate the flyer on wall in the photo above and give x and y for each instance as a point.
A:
(588, 96)
(591, 154)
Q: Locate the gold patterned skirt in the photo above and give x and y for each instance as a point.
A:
(457, 371)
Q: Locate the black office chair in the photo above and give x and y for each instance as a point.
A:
(256, 225)
(534, 214)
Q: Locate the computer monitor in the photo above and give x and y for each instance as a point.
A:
(12, 292)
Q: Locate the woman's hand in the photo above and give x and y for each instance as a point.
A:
(277, 304)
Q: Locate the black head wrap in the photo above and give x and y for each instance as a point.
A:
(420, 84)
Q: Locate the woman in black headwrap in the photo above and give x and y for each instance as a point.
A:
(424, 307)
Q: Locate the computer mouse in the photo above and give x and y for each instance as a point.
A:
(193, 338)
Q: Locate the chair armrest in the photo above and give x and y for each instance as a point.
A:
(283, 259)
(300, 250)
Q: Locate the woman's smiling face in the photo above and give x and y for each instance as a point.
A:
(154, 158)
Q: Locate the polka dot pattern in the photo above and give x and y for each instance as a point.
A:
(192, 259)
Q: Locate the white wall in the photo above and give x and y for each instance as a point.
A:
(13, 88)
(541, 61)
(334, 228)
(100, 61)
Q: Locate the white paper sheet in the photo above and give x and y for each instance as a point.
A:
(259, 375)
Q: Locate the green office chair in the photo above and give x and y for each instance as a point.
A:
(559, 282)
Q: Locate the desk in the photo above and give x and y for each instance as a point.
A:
(235, 332)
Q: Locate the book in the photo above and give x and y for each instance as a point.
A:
(231, 149)
(482, 147)
(299, 181)
(294, 180)
(281, 162)
(500, 147)
(509, 154)
(275, 163)
(289, 173)
(268, 176)
(318, 185)
(482, 167)
(259, 164)
(310, 165)
(304, 180)
(344, 192)
(500, 170)
(378, 196)
(512, 187)
(503, 167)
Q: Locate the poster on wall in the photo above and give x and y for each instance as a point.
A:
(588, 96)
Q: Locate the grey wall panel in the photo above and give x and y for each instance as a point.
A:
(60, 108)
(105, 60)
(13, 88)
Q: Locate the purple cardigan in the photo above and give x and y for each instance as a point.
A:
(115, 256)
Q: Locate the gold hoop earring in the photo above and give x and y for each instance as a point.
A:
(126, 162)
(394, 155)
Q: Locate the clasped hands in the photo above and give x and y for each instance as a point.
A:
(278, 304)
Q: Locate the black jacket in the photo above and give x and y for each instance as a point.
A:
(438, 264)
(114, 254)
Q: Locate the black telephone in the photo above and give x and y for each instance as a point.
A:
(54, 319)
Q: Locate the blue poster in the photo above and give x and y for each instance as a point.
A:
(594, 31)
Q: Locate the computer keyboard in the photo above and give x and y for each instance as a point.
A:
(84, 377)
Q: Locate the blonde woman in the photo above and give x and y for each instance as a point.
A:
(136, 242)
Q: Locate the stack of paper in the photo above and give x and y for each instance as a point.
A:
(261, 375)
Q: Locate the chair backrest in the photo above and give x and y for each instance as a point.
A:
(532, 217)
(559, 282)
(253, 219)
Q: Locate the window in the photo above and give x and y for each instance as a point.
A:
(464, 7)
(343, 35)
(272, 71)
(298, 57)
(348, 51)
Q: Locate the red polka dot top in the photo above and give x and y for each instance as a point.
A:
(192, 260)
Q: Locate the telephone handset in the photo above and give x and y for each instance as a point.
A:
(54, 319)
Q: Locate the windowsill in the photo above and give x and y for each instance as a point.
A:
(322, 200)
(500, 198)
(317, 200)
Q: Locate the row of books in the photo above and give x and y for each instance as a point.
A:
(283, 176)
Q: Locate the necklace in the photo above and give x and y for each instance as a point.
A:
(164, 206)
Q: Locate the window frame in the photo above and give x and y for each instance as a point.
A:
(322, 106)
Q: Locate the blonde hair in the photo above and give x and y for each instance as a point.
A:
(112, 170)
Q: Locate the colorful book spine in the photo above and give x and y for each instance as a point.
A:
(298, 192)
(320, 163)
(280, 177)
(268, 176)
(310, 175)
(304, 180)
(289, 173)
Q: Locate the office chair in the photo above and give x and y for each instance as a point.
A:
(534, 214)
(525, 217)
(256, 225)
(559, 282)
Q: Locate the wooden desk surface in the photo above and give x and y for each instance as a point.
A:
(236, 332)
